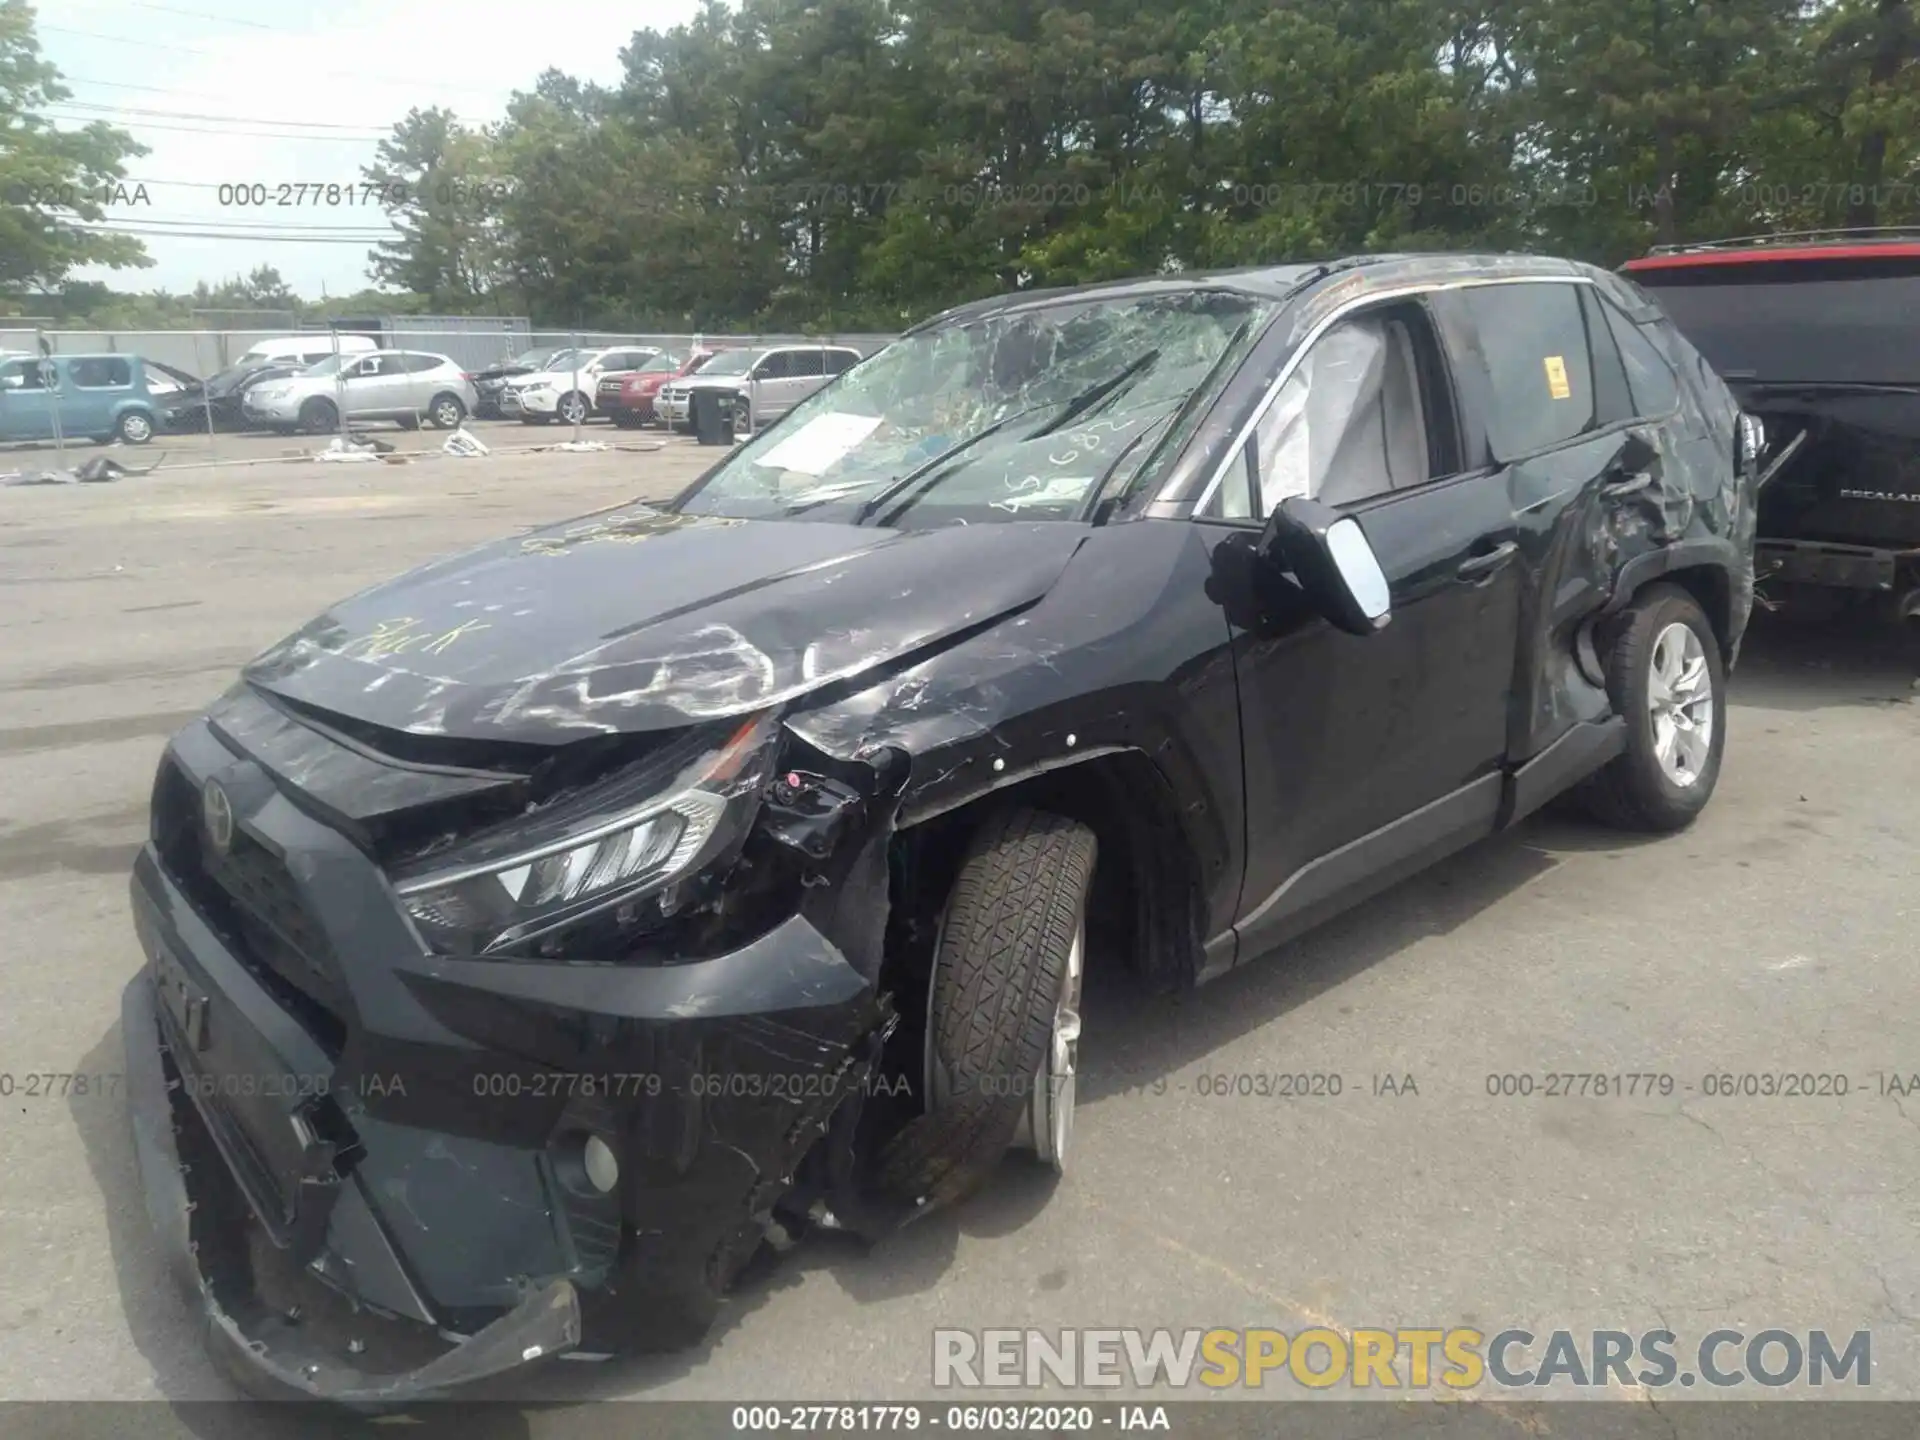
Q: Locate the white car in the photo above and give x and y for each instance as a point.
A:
(567, 394)
(404, 386)
(765, 383)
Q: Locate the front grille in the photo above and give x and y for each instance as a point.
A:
(248, 896)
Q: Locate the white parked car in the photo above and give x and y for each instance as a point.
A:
(764, 383)
(405, 386)
(567, 394)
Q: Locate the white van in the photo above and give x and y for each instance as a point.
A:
(302, 349)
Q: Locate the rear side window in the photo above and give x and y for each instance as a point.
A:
(1533, 342)
(1612, 402)
(841, 361)
(808, 362)
(1655, 390)
(101, 372)
(418, 363)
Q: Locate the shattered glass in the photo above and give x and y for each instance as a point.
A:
(1071, 387)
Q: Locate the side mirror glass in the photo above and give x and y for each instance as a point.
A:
(1332, 560)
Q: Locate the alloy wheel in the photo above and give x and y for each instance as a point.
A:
(1680, 699)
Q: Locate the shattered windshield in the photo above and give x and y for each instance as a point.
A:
(1016, 415)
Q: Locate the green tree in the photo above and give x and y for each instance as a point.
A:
(51, 180)
(443, 191)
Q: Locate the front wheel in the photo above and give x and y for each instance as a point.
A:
(319, 417)
(1003, 1009)
(573, 407)
(1667, 679)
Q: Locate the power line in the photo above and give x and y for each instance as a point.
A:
(262, 227)
(358, 130)
(362, 75)
(467, 120)
(224, 235)
(366, 139)
(204, 15)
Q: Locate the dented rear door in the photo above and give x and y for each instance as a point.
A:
(1593, 484)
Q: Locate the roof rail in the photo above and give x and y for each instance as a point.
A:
(1855, 234)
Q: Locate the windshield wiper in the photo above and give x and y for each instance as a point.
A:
(1093, 395)
(926, 467)
(935, 470)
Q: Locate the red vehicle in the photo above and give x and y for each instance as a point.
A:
(627, 399)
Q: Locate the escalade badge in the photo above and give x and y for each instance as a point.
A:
(216, 813)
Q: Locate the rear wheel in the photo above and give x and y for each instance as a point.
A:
(1003, 1020)
(446, 411)
(135, 427)
(1666, 677)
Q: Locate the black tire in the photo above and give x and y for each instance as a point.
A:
(319, 417)
(446, 410)
(1634, 791)
(585, 408)
(622, 419)
(536, 419)
(998, 969)
(134, 427)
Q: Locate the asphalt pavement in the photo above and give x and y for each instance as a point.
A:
(1777, 936)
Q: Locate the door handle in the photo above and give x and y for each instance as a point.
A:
(1483, 565)
(1631, 485)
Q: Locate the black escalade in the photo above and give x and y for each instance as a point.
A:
(534, 936)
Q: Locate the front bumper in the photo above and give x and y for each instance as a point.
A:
(334, 1124)
(271, 412)
(541, 402)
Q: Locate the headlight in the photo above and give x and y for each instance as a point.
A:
(606, 852)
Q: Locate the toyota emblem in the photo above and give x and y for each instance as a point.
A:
(216, 813)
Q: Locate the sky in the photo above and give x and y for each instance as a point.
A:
(261, 93)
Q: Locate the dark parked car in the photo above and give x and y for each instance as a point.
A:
(223, 394)
(1816, 336)
(523, 968)
(490, 383)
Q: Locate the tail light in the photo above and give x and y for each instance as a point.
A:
(465, 376)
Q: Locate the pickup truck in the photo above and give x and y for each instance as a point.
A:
(1816, 335)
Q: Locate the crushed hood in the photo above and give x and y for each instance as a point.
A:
(636, 619)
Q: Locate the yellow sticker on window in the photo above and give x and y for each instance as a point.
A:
(1557, 385)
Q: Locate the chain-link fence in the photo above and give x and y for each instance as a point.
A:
(226, 392)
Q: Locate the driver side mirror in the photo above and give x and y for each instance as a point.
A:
(1332, 561)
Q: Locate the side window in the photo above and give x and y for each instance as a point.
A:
(1351, 422)
(1234, 500)
(1534, 344)
(419, 364)
(22, 375)
(841, 361)
(1654, 389)
(1612, 403)
(809, 363)
(777, 366)
(102, 372)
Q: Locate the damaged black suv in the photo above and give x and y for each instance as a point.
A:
(534, 937)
